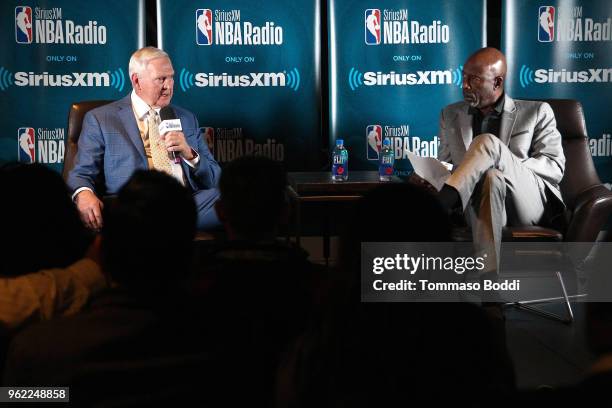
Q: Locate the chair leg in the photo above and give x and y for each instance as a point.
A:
(568, 319)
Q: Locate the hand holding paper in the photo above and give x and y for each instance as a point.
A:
(434, 171)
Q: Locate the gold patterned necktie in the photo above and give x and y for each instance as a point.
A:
(159, 153)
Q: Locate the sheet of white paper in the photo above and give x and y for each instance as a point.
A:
(432, 170)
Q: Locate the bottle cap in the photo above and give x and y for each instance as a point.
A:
(339, 142)
(387, 142)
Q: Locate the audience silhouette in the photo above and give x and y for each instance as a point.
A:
(261, 288)
(37, 233)
(238, 323)
(42, 245)
(139, 338)
(375, 354)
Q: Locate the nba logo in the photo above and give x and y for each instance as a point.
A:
(204, 26)
(23, 25)
(374, 141)
(372, 26)
(25, 145)
(546, 24)
(209, 138)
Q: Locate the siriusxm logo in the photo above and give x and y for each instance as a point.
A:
(228, 29)
(230, 143)
(393, 27)
(570, 24)
(446, 77)
(290, 79)
(401, 142)
(42, 145)
(46, 26)
(115, 79)
(528, 76)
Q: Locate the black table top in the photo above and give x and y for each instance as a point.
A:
(319, 182)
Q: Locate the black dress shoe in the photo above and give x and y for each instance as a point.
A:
(449, 198)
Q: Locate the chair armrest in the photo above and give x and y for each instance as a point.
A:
(593, 209)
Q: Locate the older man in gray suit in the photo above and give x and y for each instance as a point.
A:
(507, 156)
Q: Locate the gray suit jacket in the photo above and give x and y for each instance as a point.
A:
(528, 128)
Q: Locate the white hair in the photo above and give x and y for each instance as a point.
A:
(140, 59)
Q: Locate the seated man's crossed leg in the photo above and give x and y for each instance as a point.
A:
(495, 189)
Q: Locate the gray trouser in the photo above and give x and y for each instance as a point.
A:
(496, 190)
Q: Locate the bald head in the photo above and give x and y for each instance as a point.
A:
(484, 74)
(491, 59)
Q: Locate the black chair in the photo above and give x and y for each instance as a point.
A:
(75, 123)
(588, 203)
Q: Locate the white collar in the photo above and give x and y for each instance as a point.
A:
(141, 108)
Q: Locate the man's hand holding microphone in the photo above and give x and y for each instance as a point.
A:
(171, 134)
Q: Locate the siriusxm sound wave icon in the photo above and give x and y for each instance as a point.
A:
(293, 79)
(6, 79)
(110, 78)
(355, 79)
(117, 79)
(185, 80)
(458, 76)
(415, 78)
(525, 76)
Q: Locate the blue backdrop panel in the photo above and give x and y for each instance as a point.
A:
(562, 49)
(393, 66)
(250, 70)
(55, 53)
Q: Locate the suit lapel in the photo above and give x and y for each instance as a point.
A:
(507, 120)
(464, 121)
(126, 115)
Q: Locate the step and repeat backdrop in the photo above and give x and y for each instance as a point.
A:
(393, 66)
(563, 49)
(55, 53)
(252, 70)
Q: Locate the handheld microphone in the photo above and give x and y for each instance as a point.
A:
(170, 122)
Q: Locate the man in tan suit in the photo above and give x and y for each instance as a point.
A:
(507, 156)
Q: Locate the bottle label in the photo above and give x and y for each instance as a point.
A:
(340, 163)
(386, 163)
(385, 170)
(338, 169)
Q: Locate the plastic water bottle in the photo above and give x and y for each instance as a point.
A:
(339, 162)
(387, 158)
